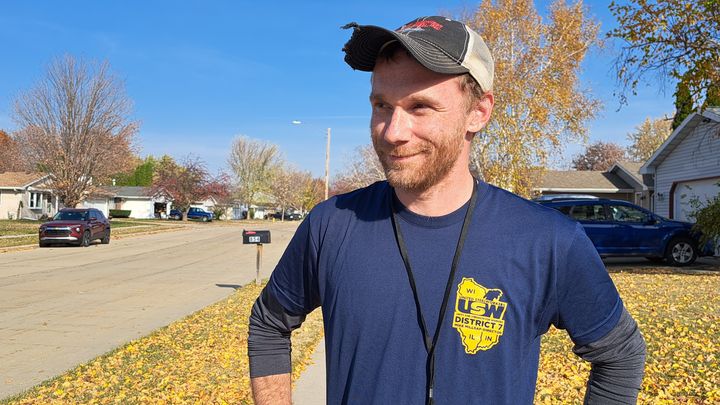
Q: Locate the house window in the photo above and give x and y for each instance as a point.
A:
(35, 201)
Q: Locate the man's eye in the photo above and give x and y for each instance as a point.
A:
(380, 106)
(420, 106)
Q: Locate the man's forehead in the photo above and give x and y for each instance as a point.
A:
(405, 73)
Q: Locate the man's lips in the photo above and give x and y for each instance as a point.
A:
(403, 157)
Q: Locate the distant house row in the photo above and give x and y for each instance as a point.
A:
(684, 168)
(28, 195)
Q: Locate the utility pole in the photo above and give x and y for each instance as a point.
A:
(327, 165)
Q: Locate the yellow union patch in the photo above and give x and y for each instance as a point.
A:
(479, 315)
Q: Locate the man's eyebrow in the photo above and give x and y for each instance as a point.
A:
(376, 97)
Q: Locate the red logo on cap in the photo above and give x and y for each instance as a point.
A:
(422, 24)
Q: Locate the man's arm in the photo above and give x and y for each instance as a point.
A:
(269, 349)
(272, 389)
(618, 362)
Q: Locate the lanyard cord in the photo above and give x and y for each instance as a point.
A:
(430, 343)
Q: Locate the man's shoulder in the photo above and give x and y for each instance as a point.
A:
(366, 202)
(525, 212)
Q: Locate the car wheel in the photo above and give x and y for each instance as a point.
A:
(85, 241)
(204, 219)
(681, 252)
(106, 239)
(43, 244)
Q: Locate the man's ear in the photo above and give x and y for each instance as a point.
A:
(480, 113)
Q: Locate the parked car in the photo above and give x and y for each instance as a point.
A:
(619, 228)
(193, 213)
(79, 226)
(289, 215)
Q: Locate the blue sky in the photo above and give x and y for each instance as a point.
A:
(201, 73)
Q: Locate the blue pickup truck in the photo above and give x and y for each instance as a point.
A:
(194, 213)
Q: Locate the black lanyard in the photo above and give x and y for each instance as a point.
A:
(430, 344)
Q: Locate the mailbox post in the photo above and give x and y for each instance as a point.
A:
(257, 238)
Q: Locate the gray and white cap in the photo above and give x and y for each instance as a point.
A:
(438, 43)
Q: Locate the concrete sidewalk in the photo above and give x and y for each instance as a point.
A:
(310, 388)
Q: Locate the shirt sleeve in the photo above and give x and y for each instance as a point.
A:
(294, 282)
(618, 361)
(588, 304)
(291, 293)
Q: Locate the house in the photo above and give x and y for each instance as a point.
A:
(140, 201)
(621, 182)
(26, 195)
(208, 204)
(686, 166)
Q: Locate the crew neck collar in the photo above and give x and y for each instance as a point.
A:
(452, 218)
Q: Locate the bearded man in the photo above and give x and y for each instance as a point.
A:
(436, 287)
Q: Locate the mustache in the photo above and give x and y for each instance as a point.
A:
(401, 150)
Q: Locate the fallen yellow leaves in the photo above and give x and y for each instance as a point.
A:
(679, 316)
(201, 359)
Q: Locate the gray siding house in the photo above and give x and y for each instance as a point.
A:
(686, 166)
(621, 182)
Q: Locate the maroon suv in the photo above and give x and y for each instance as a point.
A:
(78, 226)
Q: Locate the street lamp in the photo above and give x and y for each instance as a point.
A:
(327, 160)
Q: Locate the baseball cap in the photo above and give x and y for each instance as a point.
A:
(438, 43)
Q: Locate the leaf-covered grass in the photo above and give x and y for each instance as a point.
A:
(201, 359)
(28, 230)
(18, 227)
(25, 240)
(679, 316)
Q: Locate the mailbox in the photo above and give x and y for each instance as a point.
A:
(255, 237)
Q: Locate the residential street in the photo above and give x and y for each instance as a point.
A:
(60, 307)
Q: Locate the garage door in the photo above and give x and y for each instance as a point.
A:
(102, 205)
(685, 192)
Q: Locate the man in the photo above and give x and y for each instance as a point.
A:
(436, 288)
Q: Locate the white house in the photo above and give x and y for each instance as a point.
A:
(140, 201)
(26, 195)
(687, 166)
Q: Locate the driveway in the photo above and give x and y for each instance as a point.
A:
(60, 307)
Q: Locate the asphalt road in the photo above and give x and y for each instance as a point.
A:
(60, 307)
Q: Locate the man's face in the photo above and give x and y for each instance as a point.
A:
(419, 124)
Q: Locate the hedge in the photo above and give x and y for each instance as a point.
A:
(120, 213)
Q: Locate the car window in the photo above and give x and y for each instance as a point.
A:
(565, 209)
(624, 213)
(590, 212)
(70, 216)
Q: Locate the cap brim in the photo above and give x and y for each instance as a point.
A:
(362, 49)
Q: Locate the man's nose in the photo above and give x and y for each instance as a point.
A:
(399, 128)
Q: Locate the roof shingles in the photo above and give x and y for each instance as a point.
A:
(19, 179)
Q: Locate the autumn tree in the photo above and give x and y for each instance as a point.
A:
(683, 103)
(253, 165)
(186, 182)
(10, 159)
(671, 39)
(312, 194)
(539, 103)
(75, 123)
(288, 188)
(220, 188)
(362, 169)
(647, 137)
(599, 156)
